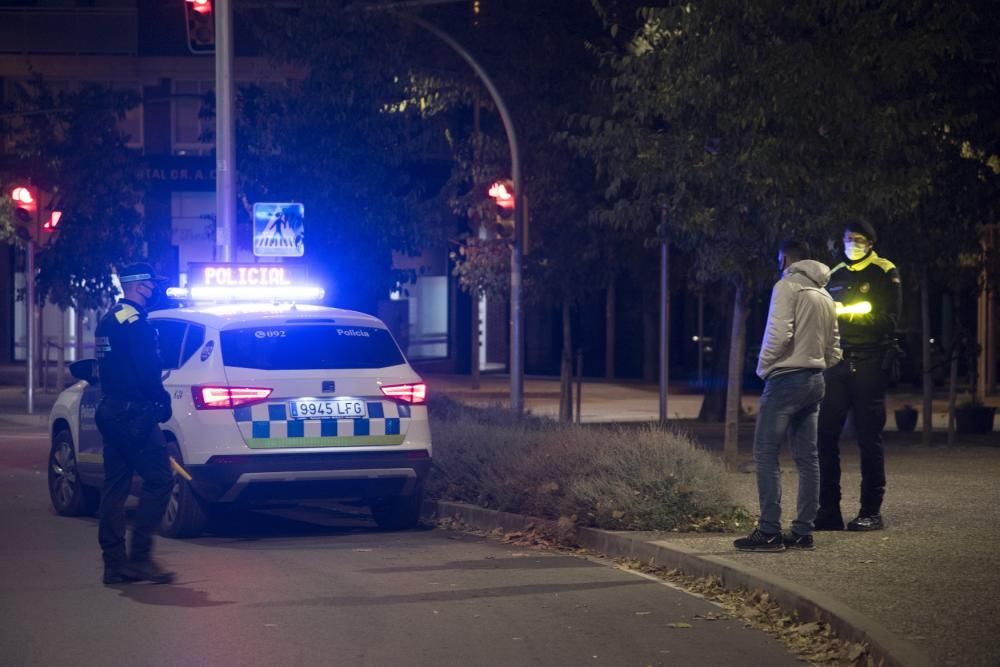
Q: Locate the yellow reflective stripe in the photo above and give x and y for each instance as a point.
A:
(872, 258)
(859, 308)
(126, 313)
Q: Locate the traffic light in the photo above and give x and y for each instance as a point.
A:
(199, 19)
(52, 223)
(25, 204)
(503, 195)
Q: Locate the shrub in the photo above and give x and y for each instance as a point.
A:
(620, 478)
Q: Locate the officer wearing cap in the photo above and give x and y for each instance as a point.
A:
(133, 403)
(867, 292)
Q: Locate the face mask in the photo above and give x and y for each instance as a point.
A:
(855, 251)
(157, 299)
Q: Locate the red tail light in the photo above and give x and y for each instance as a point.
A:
(410, 393)
(227, 398)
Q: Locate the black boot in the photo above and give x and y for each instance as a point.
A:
(865, 522)
(148, 570)
(117, 574)
(828, 519)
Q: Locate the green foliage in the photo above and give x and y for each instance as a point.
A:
(8, 226)
(542, 75)
(620, 479)
(68, 144)
(347, 140)
(483, 266)
(753, 121)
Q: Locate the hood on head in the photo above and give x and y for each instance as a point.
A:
(817, 272)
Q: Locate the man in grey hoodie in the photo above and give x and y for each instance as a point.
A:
(800, 342)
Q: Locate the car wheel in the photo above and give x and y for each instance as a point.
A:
(398, 512)
(70, 497)
(186, 514)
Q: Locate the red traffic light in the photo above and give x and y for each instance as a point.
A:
(25, 204)
(199, 22)
(53, 222)
(201, 6)
(22, 195)
(503, 194)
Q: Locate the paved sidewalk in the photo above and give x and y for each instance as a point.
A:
(928, 586)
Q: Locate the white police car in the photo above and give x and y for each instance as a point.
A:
(271, 403)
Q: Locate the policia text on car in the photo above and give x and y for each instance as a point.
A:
(133, 403)
(866, 289)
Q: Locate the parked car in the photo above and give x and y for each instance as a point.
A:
(271, 403)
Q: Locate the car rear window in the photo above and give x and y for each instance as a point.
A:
(300, 347)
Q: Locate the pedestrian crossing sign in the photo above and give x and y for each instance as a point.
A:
(278, 230)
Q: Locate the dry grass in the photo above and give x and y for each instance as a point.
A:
(618, 479)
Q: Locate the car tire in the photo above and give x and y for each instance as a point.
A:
(398, 512)
(69, 495)
(186, 514)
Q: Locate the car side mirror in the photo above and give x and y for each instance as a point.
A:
(85, 369)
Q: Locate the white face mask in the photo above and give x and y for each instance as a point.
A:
(855, 251)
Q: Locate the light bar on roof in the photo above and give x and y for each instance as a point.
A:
(247, 293)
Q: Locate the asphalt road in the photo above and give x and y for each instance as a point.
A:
(322, 586)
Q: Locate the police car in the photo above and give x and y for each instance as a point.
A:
(271, 403)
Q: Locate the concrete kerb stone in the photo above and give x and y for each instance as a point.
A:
(37, 420)
(886, 648)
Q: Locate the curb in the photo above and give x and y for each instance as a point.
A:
(37, 420)
(886, 648)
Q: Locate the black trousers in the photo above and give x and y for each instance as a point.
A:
(133, 444)
(858, 384)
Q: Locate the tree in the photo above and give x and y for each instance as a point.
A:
(705, 98)
(343, 138)
(754, 121)
(68, 144)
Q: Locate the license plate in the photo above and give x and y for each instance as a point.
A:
(328, 408)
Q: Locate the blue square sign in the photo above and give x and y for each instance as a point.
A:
(278, 230)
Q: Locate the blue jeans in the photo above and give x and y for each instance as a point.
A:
(789, 408)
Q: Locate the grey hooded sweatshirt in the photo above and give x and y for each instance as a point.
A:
(801, 322)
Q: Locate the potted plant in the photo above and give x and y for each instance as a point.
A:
(972, 416)
(906, 418)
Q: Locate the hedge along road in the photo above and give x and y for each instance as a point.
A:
(321, 586)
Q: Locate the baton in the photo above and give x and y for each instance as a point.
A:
(179, 469)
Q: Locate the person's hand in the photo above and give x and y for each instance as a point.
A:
(163, 412)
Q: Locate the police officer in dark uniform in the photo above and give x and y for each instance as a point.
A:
(133, 403)
(867, 292)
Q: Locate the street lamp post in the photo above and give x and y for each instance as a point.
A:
(29, 296)
(516, 251)
(225, 153)
(664, 316)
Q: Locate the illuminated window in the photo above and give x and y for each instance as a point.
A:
(190, 130)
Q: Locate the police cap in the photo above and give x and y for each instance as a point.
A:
(862, 227)
(136, 272)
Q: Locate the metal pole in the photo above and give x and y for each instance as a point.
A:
(579, 385)
(225, 154)
(664, 328)
(516, 308)
(29, 299)
(701, 338)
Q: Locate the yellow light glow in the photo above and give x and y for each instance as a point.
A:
(859, 308)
